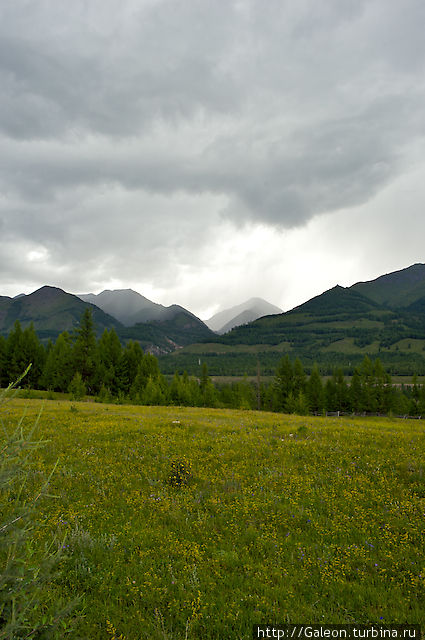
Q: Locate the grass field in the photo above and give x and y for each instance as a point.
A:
(278, 518)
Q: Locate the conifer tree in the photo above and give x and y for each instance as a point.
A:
(355, 393)
(85, 352)
(283, 382)
(109, 355)
(315, 393)
(59, 365)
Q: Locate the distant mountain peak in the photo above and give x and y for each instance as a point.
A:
(243, 313)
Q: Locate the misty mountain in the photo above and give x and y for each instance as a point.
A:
(130, 307)
(52, 311)
(126, 305)
(241, 314)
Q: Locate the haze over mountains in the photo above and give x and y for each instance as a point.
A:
(384, 317)
(130, 307)
(248, 311)
(158, 328)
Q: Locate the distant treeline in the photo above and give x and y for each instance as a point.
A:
(81, 365)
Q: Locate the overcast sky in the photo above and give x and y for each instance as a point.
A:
(204, 152)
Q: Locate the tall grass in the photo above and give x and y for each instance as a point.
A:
(27, 609)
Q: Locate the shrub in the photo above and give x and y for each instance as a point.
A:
(180, 473)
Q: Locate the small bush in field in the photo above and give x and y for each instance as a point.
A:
(180, 473)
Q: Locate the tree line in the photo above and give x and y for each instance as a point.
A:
(80, 364)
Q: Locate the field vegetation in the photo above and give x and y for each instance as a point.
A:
(105, 369)
(197, 523)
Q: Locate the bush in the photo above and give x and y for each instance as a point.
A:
(180, 473)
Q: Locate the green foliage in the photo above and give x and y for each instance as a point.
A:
(85, 352)
(116, 373)
(315, 393)
(77, 388)
(58, 370)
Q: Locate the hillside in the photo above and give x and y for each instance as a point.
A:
(397, 289)
(176, 329)
(336, 328)
(52, 311)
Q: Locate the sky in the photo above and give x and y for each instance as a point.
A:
(203, 152)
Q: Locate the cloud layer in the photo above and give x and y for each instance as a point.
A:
(136, 137)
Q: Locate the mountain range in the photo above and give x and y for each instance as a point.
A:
(384, 316)
(158, 328)
(51, 310)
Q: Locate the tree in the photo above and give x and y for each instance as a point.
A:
(283, 382)
(204, 377)
(85, 352)
(77, 388)
(369, 395)
(109, 355)
(14, 362)
(299, 378)
(355, 393)
(32, 351)
(315, 394)
(132, 356)
(3, 371)
(59, 365)
(152, 393)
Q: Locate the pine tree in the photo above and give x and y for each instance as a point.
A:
(109, 355)
(299, 378)
(59, 366)
(283, 382)
(355, 393)
(77, 388)
(152, 393)
(3, 371)
(85, 351)
(132, 356)
(315, 394)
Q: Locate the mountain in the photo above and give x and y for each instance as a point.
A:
(248, 311)
(397, 289)
(126, 305)
(157, 328)
(382, 318)
(173, 330)
(51, 310)
(130, 307)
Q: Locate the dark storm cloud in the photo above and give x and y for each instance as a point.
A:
(162, 118)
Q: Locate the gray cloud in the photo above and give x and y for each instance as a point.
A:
(153, 122)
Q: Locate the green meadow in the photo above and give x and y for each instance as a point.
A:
(186, 523)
